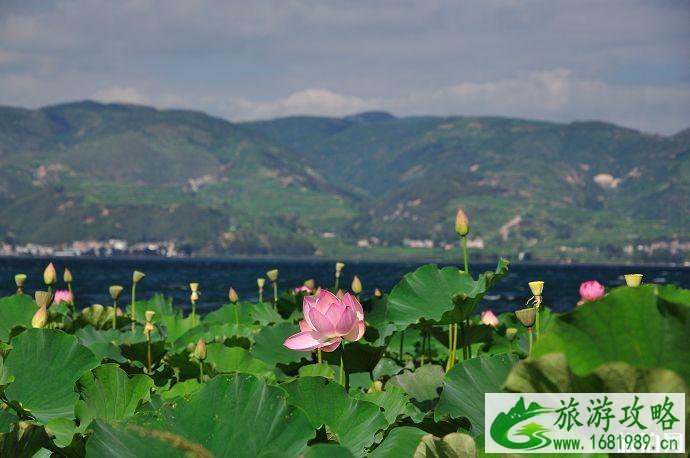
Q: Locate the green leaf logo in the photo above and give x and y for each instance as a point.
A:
(535, 433)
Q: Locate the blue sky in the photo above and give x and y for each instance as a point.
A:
(623, 61)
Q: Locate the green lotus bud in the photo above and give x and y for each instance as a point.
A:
(19, 280)
(356, 286)
(137, 276)
(149, 315)
(194, 287)
(462, 223)
(200, 350)
(40, 318)
(232, 295)
(49, 275)
(633, 280)
(527, 316)
(511, 333)
(311, 284)
(115, 291)
(272, 275)
(536, 287)
(43, 298)
(67, 276)
(260, 282)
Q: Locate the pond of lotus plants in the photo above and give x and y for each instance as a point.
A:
(316, 370)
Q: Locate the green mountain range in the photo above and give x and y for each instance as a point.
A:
(369, 185)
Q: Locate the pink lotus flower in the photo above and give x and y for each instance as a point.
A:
(62, 295)
(591, 291)
(488, 318)
(328, 320)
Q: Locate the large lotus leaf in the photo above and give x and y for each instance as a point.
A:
(123, 441)
(466, 384)
(61, 430)
(318, 370)
(354, 422)
(45, 364)
(109, 394)
(16, 310)
(176, 326)
(209, 331)
(181, 389)
(264, 313)
(158, 303)
(5, 376)
(235, 359)
(230, 416)
(226, 314)
(401, 442)
(328, 451)
(454, 445)
(6, 420)
(359, 356)
(627, 325)
(422, 385)
(671, 293)
(551, 374)
(394, 402)
(268, 345)
(100, 342)
(427, 294)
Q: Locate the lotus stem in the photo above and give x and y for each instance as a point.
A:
(510, 347)
(148, 353)
(275, 295)
(319, 357)
(529, 333)
(344, 376)
(193, 313)
(237, 315)
(201, 371)
(114, 314)
(134, 305)
(451, 344)
(261, 295)
(537, 321)
(402, 341)
(337, 282)
(464, 254)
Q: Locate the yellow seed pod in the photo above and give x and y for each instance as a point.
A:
(527, 316)
(633, 280)
(260, 282)
(272, 274)
(115, 292)
(149, 315)
(43, 298)
(137, 276)
(194, 287)
(537, 287)
(19, 280)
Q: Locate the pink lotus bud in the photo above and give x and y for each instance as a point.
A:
(462, 223)
(327, 320)
(488, 318)
(62, 295)
(591, 291)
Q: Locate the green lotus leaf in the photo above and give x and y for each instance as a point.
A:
(231, 415)
(354, 422)
(421, 385)
(386, 367)
(400, 442)
(45, 364)
(268, 345)
(466, 384)
(226, 314)
(454, 445)
(16, 310)
(109, 394)
(209, 331)
(158, 303)
(5, 376)
(100, 342)
(181, 389)
(176, 326)
(427, 294)
(328, 451)
(394, 402)
(628, 325)
(7, 419)
(61, 430)
(318, 370)
(235, 359)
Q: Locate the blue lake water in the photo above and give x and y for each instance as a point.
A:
(92, 276)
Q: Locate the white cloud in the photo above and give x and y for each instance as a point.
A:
(306, 102)
(121, 94)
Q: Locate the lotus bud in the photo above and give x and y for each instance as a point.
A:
(194, 296)
(67, 276)
(378, 293)
(356, 285)
(19, 280)
(272, 275)
(536, 287)
(633, 280)
(376, 387)
(49, 275)
(311, 284)
(232, 295)
(194, 287)
(115, 292)
(119, 312)
(260, 282)
(488, 318)
(511, 333)
(462, 223)
(40, 318)
(137, 276)
(149, 315)
(43, 298)
(97, 309)
(527, 316)
(200, 350)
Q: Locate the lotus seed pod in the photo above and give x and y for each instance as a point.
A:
(200, 350)
(232, 295)
(149, 315)
(43, 298)
(356, 286)
(378, 293)
(49, 275)
(19, 280)
(633, 280)
(137, 276)
(511, 333)
(339, 266)
(115, 292)
(536, 287)
(97, 309)
(190, 347)
(462, 223)
(40, 318)
(272, 274)
(194, 287)
(311, 284)
(527, 316)
(260, 282)
(67, 276)
(194, 296)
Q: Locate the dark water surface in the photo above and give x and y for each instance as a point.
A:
(92, 276)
